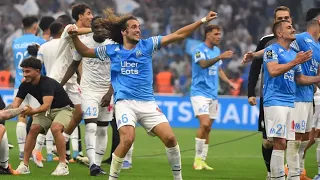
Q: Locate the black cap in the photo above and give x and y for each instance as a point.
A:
(312, 13)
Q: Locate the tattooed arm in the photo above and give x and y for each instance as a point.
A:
(10, 113)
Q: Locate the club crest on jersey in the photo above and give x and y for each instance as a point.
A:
(198, 55)
(138, 53)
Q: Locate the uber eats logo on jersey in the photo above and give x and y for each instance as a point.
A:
(129, 67)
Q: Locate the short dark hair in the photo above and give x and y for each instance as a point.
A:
(45, 22)
(96, 37)
(312, 13)
(79, 9)
(211, 27)
(29, 21)
(277, 25)
(31, 62)
(64, 19)
(55, 28)
(280, 8)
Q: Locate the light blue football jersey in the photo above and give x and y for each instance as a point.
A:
(131, 70)
(19, 48)
(280, 90)
(205, 82)
(304, 42)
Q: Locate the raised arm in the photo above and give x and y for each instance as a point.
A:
(83, 50)
(184, 32)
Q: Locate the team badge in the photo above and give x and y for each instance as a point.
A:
(138, 53)
(269, 54)
(198, 55)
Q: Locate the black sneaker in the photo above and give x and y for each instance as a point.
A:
(94, 170)
(102, 171)
(107, 161)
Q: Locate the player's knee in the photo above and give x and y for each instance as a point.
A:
(205, 126)
(2, 128)
(267, 144)
(170, 140)
(56, 128)
(279, 144)
(127, 141)
(35, 129)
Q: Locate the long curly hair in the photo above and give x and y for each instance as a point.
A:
(111, 26)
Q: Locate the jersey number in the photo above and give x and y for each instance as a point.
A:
(21, 56)
(88, 111)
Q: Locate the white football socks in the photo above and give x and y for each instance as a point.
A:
(90, 140)
(101, 143)
(21, 131)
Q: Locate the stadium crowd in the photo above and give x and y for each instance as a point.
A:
(243, 23)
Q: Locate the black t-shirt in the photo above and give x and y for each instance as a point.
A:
(256, 65)
(46, 87)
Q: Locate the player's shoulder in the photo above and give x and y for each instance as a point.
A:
(267, 37)
(199, 47)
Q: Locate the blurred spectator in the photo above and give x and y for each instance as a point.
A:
(243, 22)
(165, 81)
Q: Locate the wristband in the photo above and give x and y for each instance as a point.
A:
(204, 20)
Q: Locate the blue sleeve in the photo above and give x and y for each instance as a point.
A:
(298, 70)
(101, 53)
(153, 44)
(198, 55)
(270, 55)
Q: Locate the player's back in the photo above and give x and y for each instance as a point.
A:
(19, 48)
(95, 73)
(280, 90)
(48, 54)
(205, 82)
(304, 42)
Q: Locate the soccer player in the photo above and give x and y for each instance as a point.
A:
(47, 55)
(76, 134)
(83, 16)
(5, 167)
(44, 26)
(316, 125)
(206, 62)
(19, 46)
(55, 112)
(280, 13)
(95, 83)
(303, 112)
(280, 73)
(131, 77)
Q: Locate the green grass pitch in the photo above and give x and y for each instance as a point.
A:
(232, 156)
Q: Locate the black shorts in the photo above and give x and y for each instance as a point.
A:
(262, 125)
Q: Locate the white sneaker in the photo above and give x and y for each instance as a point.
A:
(23, 169)
(37, 158)
(61, 170)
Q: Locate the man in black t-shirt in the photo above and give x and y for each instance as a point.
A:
(55, 112)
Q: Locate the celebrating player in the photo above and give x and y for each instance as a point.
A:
(280, 73)
(131, 77)
(204, 89)
(95, 83)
